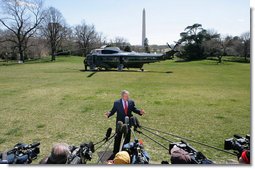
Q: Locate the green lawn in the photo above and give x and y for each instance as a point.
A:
(56, 102)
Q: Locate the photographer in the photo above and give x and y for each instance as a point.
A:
(241, 147)
(183, 153)
(180, 156)
(59, 155)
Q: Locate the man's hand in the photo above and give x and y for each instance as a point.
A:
(109, 162)
(142, 112)
(106, 114)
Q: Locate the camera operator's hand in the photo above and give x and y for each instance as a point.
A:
(106, 114)
(245, 157)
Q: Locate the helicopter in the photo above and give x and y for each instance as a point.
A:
(107, 58)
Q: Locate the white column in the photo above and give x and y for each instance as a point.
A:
(144, 27)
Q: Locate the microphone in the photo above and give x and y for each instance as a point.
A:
(119, 126)
(91, 146)
(137, 122)
(127, 120)
(108, 134)
(124, 130)
(237, 136)
(34, 145)
(133, 122)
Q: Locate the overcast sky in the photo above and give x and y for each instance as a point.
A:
(165, 18)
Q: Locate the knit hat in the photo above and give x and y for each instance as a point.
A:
(122, 158)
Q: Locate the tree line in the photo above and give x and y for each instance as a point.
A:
(30, 31)
(198, 43)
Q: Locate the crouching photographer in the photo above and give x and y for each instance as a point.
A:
(59, 155)
(20, 154)
(65, 154)
(241, 147)
(183, 153)
(179, 156)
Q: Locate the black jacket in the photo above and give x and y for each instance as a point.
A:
(118, 107)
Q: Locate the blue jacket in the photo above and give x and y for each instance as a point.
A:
(118, 107)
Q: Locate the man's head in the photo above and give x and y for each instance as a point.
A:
(59, 154)
(122, 158)
(125, 95)
(179, 156)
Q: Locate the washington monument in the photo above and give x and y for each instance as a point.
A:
(144, 27)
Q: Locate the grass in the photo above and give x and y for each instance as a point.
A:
(57, 102)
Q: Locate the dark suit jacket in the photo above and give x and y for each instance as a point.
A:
(118, 107)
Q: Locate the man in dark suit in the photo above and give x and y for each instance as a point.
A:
(124, 107)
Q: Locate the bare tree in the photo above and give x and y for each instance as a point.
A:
(100, 40)
(214, 47)
(218, 46)
(54, 29)
(1, 36)
(68, 41)
(22, 18)
(120, 42)
(6, 47)
(86, 37)
(39, 47)
(146, 45)
(246, 40)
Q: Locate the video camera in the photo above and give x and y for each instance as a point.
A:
(81, 154)
(137, 153)
(84, 152)
(196, 156)
(135, 149)
(238, 144)
(21, 154)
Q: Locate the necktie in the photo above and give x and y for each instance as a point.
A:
(126, 108)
